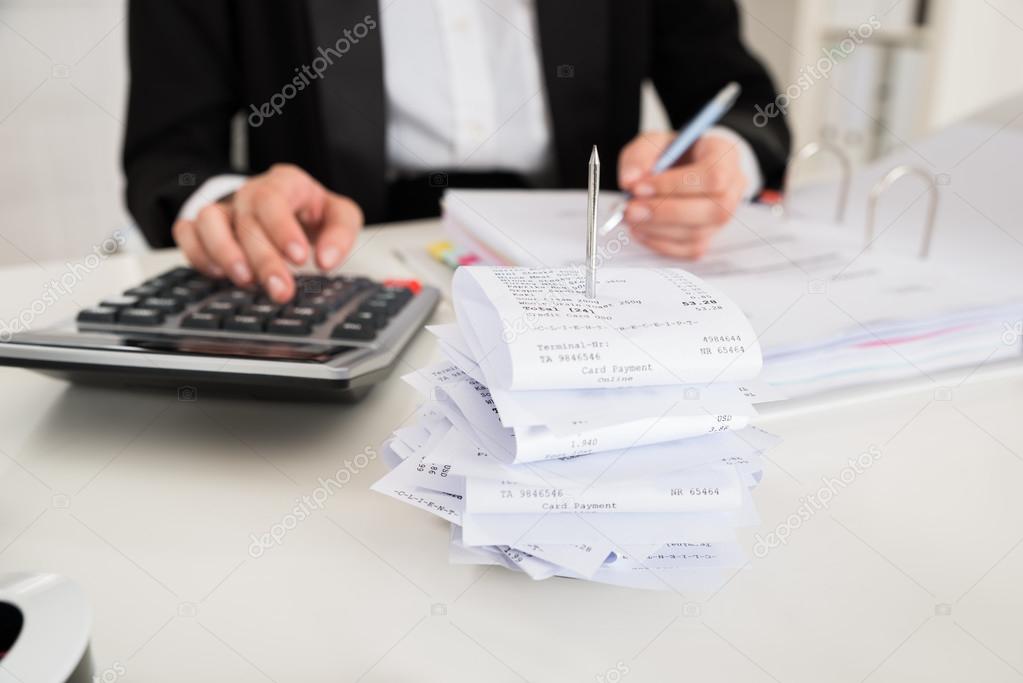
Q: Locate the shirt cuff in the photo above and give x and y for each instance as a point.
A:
(214, 189)
(747, 160)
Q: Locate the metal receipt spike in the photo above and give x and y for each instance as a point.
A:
(808, 152)
(593, 188)
(882, 186)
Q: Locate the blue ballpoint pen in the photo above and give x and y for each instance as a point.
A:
(686, 138)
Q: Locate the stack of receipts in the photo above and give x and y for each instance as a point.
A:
(606, 439)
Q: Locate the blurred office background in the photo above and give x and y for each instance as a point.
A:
(63, 78)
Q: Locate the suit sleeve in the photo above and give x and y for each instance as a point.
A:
(696, 50)
(183, 94)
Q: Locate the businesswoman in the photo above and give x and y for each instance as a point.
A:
(348, 111)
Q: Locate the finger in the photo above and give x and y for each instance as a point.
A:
(699, 178)
(684, 211)
(342, 220)
(271, 270)
(213, 228)
(303, 194)
(682, 250)
(271, 208)
(638, 157)
(673, 232)
(301, 191)
(187, 240)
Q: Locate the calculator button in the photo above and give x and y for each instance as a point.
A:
(340, 298)
(98, 314)
(238, 297)
(397, 292)
(392, 303)
(290, 326)
(327, 301)
(201, 287)
(119, 302)
(162, 303)
(140, 316)
(142, 291)
(352, 330)
(310, 314)
(264, 311)
(402, 293)
(185, 295)
(414, 286)
(311, 284)
(202, 321)
(159, 282)
(364, 318)
(244, 323)
(220, 307)
(361, 283)
(380, 309)
(179, 274)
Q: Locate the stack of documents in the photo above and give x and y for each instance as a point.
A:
(606, 439)
(827, 312)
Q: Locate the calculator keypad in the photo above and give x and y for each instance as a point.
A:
(183, 300)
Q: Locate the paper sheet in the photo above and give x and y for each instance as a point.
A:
(535, 329)
(718, 409)
(623, 529)
(396, 485)
(708, 488)
(739, 449)
(562, 409)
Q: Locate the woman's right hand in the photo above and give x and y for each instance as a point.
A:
(275, 219)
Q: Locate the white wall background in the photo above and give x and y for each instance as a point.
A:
(63, 80)
(62, 89)
(971, 55)
(980, 62)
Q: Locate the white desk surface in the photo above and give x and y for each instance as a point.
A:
(911, 574)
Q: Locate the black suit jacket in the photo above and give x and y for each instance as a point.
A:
(196, 63)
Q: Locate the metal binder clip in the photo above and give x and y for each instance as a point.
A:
(592, 190)
(806, 153)
(890, 179)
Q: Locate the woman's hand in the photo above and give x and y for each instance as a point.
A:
(276, 218)
(678, 211)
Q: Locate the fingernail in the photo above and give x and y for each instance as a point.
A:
(329, 256)
(296, 252)
(275, 285)
(637, 214)
(643, 190)
(630, 175)
(216, 271)
(241, 272)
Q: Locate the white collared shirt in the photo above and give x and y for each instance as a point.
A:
(464, 86)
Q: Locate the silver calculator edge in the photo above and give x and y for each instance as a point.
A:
(55, 350)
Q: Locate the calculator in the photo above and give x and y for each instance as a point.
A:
(337, 337)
